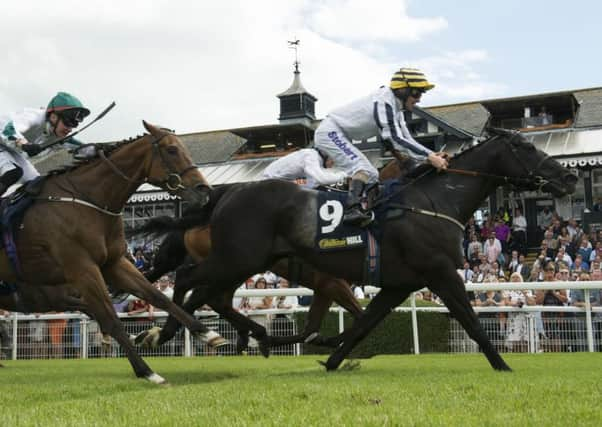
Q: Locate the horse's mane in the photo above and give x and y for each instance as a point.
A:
(107, 148)
(493, 133)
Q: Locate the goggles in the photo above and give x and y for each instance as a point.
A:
(72, 118)
(416, 93)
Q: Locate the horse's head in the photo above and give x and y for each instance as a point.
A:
(530, 168)
(172, 168)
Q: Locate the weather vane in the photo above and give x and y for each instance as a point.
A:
(294, 44)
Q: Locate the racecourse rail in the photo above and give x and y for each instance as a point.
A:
(588, 309)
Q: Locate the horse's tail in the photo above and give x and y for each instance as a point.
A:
(194, 216)
(170, 255)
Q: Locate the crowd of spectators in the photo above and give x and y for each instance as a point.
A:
(496, 251)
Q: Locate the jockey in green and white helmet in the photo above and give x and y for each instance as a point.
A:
(24, 132)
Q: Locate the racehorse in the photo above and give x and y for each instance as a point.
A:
(193, 245)
(420, 244)
(72, 237)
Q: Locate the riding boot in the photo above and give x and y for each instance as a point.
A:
(354, 215)
(9, 178)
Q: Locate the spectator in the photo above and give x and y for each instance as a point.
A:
(471, 229)
(487, 228)
(38, 336)
(513, 262)
(552, 322)
(56, 330)
(517, 336)
(572, 228)
(579, 266)
(563, 257)
(550, 240)
(595, 299)
(286, 302)
(163, 284)
(544, 219)
(596, 252)
(261, 303)
(139, 324)
(519, 231)
(502, 233)
(497, 271)
(522, 268)
(466, 273)
(242, 303)
(140, 261)
(492, 248)
(491, 321)
(585, 249)
(475, 249)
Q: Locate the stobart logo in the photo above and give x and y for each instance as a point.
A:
(342, 145)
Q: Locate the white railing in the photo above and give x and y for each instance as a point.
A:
(189, 343)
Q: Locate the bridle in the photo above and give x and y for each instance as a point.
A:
(173, 180)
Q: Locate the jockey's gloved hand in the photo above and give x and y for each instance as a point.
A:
(32, 149)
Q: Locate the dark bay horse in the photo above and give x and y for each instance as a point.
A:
(420, 245)
(72, 245)
(194, 244)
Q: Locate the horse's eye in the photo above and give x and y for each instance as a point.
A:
(171, 150)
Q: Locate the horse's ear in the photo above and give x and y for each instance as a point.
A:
(153, 130)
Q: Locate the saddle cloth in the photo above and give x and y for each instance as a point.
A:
(12, 211)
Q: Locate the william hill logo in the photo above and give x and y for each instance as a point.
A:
(344, 242)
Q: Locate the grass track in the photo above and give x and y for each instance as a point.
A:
(544, 389)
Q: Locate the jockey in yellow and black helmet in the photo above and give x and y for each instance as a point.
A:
(378, 114)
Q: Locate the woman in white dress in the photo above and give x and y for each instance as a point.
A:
(517, 327)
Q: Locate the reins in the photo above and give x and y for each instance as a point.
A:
(173, 180)
(530, 179)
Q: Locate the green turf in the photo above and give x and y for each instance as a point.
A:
(462, 390)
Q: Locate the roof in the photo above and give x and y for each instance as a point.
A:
(212, 147)
(471, 118)
(590, 108)
(296, 88)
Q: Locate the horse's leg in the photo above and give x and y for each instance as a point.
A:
(376, 311)
(451, 290)
(241, 323)
(332, 289)
(124, 276)
(87, 279)
(172, 325)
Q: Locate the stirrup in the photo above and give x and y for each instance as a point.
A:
(355, 216)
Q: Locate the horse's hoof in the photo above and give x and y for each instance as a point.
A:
(156, 379)
(150, 338)
(264, 348)
(311, 337)
(213, 339)
(140, 337)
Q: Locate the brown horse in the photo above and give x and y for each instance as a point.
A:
(196, 244)
(72, 237)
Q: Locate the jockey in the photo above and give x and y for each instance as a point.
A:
(25, 130)
(378, 114)
(310, 164)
